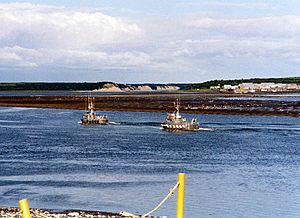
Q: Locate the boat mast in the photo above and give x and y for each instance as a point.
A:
(177, 105)
(90, 104)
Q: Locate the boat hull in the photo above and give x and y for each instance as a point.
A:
(180, 127)
(94, 122)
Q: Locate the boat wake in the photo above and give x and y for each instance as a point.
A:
(114, 123)
(206, 129)
(135, 123)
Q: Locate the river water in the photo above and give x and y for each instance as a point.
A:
(244, 166)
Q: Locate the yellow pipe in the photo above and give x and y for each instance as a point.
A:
(24, 208)
(180, 196)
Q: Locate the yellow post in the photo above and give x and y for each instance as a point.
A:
(180, 196)
(24, 208)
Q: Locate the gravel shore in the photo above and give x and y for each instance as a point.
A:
(12, 212)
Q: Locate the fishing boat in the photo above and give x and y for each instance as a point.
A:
(175, 121)
(90, 117)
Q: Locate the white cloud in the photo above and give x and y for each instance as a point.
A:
(42, 26)
(239, 4)
(281, 26)
(96, 59)
(48, 36)
(12, 57)
(245, 5)
(20, 57)
(233, 47)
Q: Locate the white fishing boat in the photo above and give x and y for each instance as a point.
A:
(175, 121)
(90, 117)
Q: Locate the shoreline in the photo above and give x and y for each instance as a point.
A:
(196, 103)
(14, 212)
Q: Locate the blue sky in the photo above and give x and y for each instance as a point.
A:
(163, 41)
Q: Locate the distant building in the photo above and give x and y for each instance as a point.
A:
(215, 87)
(293, 86)
(261, 87)
(230, 88)
(248, 87)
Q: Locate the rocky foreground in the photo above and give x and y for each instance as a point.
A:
(40, 213)
(201, 103)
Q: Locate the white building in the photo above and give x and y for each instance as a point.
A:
(261, 87)
(230, 87)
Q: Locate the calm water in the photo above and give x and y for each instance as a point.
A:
(246, 167)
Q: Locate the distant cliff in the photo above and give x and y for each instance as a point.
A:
(114, 87)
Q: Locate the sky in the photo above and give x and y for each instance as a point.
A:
(144, 41)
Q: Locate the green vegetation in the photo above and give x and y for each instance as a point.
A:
(50, 86)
